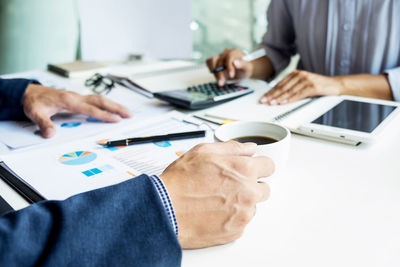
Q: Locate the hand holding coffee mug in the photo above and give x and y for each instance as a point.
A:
(272, 139)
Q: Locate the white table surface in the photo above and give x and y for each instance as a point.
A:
(333, 205)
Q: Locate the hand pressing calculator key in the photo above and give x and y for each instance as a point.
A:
(204, 95)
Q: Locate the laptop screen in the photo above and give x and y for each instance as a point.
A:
(357, 116)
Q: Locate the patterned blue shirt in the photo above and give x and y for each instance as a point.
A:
(336, 37)
(169, 209)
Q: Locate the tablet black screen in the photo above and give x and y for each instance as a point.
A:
(358, 116)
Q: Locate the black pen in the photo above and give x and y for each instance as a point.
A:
(156, 138)
(250, 57)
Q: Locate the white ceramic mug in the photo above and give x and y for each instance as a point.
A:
(277, 151)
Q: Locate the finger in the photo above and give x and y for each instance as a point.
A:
(261, 167)
(282, 98)
(299, 89)
(300, 94)
(212, 64)
(243, 68)
(264, 99)
(251, 168)
(222, 75)
(230, 64)
(46, 126)
(94, 112)
(231, 148)
(240, 64)
(287, 78)
(263, 191)
(285, 85)
(270, 96)
(108, 105)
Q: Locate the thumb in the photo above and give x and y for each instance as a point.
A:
(233, 148)
(46, 126)
(239, 64)
(244, 67)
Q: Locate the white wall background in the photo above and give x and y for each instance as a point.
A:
(114, 29)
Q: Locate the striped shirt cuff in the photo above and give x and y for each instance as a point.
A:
(166, 201)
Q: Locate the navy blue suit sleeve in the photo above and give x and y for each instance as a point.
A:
(121, 225)
(11, 96)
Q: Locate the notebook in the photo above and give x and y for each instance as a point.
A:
(76, 69)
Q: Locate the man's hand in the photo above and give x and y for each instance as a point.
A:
(40, 103)
(302, 84)
(236, 67)
(214, 191)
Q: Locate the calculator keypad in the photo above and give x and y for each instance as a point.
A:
(212, 89)
(203, 95)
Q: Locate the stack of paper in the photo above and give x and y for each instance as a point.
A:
(78, 166)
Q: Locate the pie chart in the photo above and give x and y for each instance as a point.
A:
(163, 144)
(77, 158)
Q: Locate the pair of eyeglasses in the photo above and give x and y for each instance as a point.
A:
(100, 84)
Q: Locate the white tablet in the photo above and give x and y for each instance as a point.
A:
(349, 119)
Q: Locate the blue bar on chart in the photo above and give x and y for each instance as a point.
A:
(99, 170)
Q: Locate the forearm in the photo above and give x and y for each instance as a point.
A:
(366, 85)
(11, 96)
(262, 69)
(119, 225)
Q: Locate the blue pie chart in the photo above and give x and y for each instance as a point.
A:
(163, 144)
(77, 158)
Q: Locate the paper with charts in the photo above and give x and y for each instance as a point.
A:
(60, 171)
(21, 134)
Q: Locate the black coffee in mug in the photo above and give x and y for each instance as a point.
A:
(259, 140)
